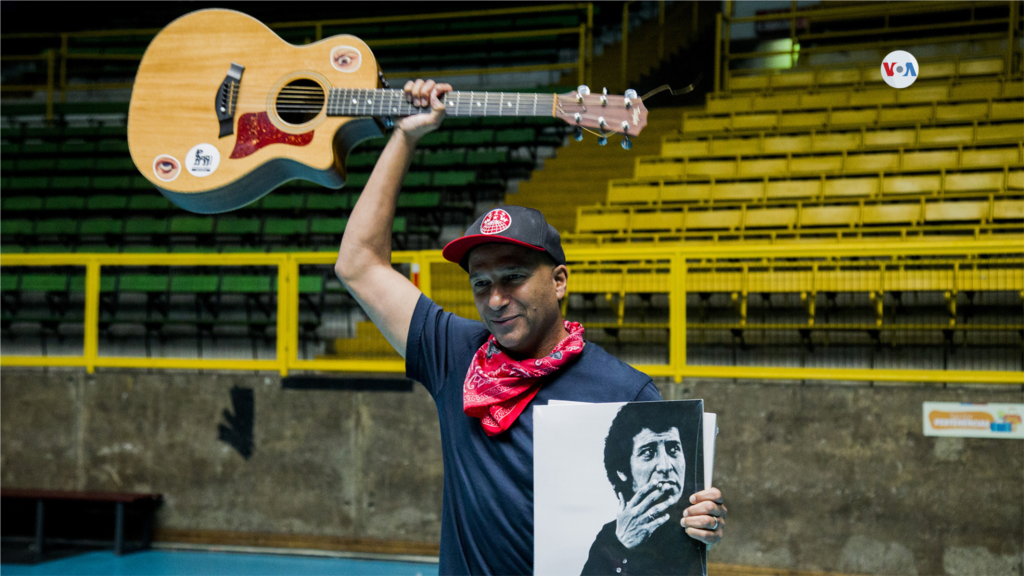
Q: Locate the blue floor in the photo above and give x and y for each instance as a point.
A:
(167, 563)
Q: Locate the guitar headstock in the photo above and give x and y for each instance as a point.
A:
(603, 113)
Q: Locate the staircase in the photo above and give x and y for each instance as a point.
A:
(579, 175)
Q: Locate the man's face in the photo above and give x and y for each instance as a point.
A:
(516, 291)
(657, 457)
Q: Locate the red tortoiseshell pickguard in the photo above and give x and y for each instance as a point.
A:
(255, 130)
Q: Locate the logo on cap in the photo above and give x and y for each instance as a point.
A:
(495, 222)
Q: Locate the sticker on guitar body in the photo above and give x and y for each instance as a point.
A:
(346, 58)
(202, 160)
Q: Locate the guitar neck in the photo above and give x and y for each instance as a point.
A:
(389, 102)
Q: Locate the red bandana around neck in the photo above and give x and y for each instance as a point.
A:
(498, 388)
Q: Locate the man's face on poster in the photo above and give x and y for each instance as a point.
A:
(658, 457)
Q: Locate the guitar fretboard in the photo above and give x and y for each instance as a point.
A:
(369, 102)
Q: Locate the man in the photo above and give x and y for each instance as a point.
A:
(645, 462)
(485, 376)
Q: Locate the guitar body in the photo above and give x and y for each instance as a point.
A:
(177, 139)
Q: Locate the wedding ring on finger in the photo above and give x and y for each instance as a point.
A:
(715, 527)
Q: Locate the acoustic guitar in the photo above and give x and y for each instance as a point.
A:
(223, 110)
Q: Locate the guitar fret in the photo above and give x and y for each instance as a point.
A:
(357, 102)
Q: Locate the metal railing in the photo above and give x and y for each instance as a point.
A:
(800, 22)
(57, 58)
(885, 273)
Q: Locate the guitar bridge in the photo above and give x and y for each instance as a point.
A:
(227, 98)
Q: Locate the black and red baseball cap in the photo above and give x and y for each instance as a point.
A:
(510, 225)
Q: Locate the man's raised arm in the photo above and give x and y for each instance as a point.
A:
(364, 259)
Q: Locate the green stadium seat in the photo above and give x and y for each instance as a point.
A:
(9, 149)
(7, 165)
(336, 201)
(399, 226)
(194, 283)
(443, 158)
(238, 226)
(421, 200)
(64, 203)
(148, 202)
(143, 283)
(44, 282)
(54, 226)
(115, 164)
(106, 202)
(238, 284)
(12, 249)
(113, 146)
(99, 249)
(283, 201)
(15, 227)
(285, 226)
(328, 225)
(234, 248)
(111, 182)
(22, 203)
(113, 131)
(75, 164)
(357, 180)
(476, 158)
(78, 148)
(436, 138)
(311, 284)
(146, 226)
(144, 249)
(36, 165)
(455, 178)
(192, 248)
(43, 132)
(49, 249)
(472, 137)
(98, 226)
(516, 136)
(40, 148)
(361, 160)
(29, 183)
(417, 179)
(9, 282)
(70, 182)
(140, 183)
(191, 225)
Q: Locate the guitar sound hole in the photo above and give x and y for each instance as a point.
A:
(300, 101)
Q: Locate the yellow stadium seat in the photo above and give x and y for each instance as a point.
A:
(838, 77)
(930, 160)
(974, 182)
(891, 214)
(807, 120)
(602, 222)
(861, 117)
(907, 115)
(814, 164)
(986, 66)
(735, 191)
(692, 193)
(954, 112)
(1008, 210)
(885, 97)
(1010, 131)
(912, 184)
(653, 221)
(714, 220)
(956, 211)
(851, 187)
(755, 121)
(1015, 180)
(992, 157)
(946, 135)
(793, 189)
(835, 142)
(770, 218)
(829, 216)
(886, 162)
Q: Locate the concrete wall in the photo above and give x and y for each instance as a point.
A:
(816, 477)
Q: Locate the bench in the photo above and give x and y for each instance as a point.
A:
(146, 503)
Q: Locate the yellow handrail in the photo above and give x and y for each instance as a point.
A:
(675, 258)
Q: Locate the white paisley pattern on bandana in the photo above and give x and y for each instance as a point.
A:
(498, 388)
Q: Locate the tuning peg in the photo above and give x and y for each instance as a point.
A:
(625, 126)
(577, 117)
(581, 91)
(600, 122)
(627, 143)
(628, 100)
(578, 134)
(602, 140)
(604, 97)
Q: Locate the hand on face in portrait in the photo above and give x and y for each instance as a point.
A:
(706, 512)
(658, 467)
(423, 94)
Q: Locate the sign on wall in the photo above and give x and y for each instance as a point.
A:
(962, 420)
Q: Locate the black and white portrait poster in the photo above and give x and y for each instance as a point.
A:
(611, 482)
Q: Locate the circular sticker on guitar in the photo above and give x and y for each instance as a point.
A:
(166, 168)
(346, 58)
(202, 160)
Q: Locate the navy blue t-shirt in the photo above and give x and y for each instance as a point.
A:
(487, 516)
